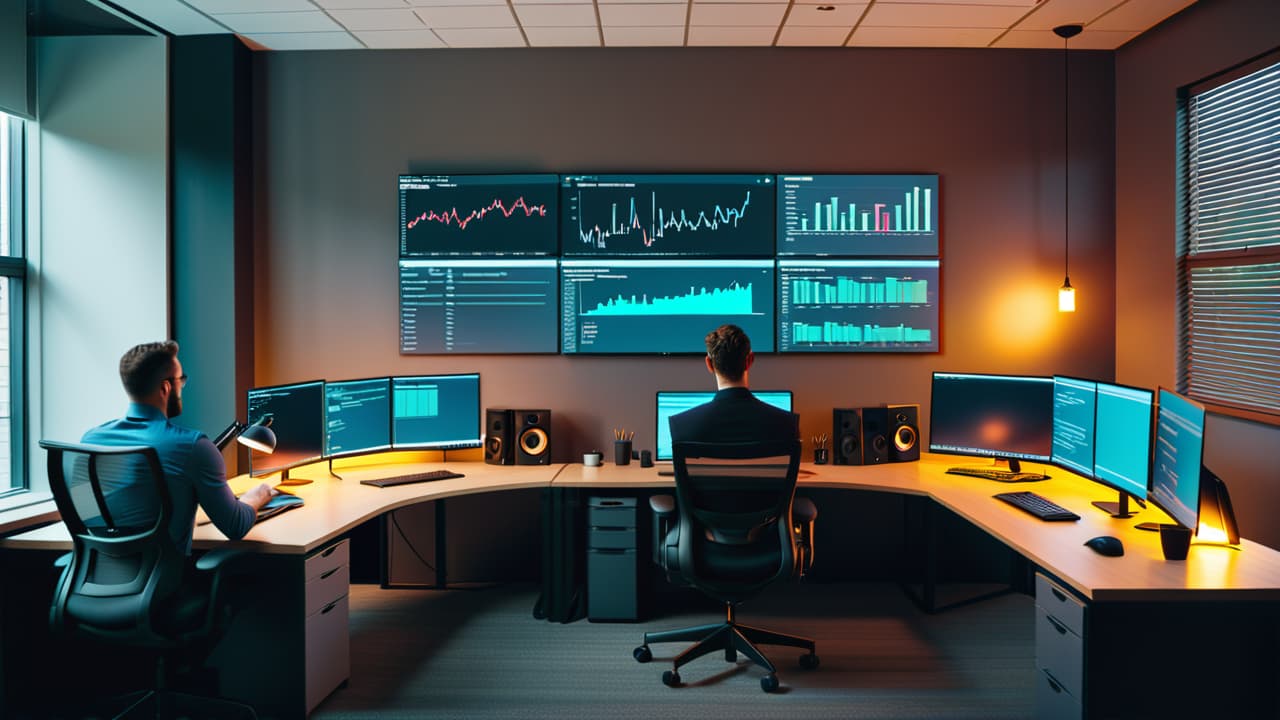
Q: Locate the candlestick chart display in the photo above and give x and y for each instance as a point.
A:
(858, 215)
(478, 215)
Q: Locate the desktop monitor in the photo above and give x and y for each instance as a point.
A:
(357, 416)
(1122, 442)
(672, 402)
(1007, 417)
(297, 419)
(1179, 447)
(437, 412)
(1074, 405)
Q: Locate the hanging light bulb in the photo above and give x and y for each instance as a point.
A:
(1066, 293)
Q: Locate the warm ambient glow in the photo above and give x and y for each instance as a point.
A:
(1211, 534)
(1066, 297)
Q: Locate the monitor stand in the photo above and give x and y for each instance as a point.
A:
(1120, 508)
(291, 482)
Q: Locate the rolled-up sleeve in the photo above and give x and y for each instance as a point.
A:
(208, 473)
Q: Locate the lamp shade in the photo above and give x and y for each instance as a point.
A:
(1066, 297)
(259, 436)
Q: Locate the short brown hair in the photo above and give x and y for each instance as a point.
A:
(728, 347)
(145, 366)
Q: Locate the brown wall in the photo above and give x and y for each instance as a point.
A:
(1207, 38)
(334, 129)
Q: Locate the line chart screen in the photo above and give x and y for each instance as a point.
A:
(858, 305)
(478, 306)
(858, 215)
(662, 306)
(668, 215)
(472, 215)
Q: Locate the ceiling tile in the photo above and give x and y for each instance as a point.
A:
(730, 14)
(1139, 16)
(278, 22)
(553, 2)
(643, 15)
(389, 39)
(454, 3)
(213, 7)
(1090, 39)
(362, 4)
(556, 15)
(813, 36)
(562, 36)
(1052, 13)
(175, 17)
(758, 36)
(942, 16)
(377, 19)
(306, 41)
(844, 15)
(643, 36)
(482, 37)
(485, 16)
(1024, 4)
(922, 37)
(648, 2)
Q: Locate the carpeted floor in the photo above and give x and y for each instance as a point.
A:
(481, 654)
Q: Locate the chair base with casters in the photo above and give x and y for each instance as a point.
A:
(732, 638)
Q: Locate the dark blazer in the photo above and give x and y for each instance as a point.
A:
(734, 415)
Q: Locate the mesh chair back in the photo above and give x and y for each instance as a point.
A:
(115, 503)
(734, 501)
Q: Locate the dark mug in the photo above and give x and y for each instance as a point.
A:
(622, 452)
(819, 456)
(646, 458)
(1175, 540)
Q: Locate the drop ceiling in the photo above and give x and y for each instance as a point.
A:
(378, 24)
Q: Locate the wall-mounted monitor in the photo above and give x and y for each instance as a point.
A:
(297, 419)
(1179, 449)
(478, 306)
(858, 305)
(478, 215)
(1007, 417)
(671, 402)
(667, 215)
(438, 412)
(662, 306)
(357, 416)
(1075, 402)
(858, 215)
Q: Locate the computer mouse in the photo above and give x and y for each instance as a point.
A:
(1106, 545)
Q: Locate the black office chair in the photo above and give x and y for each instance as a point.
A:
(734, 534)
(123, 583)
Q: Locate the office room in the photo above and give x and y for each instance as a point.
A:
(225, 174)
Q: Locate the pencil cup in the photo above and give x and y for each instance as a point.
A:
(819, 456)
(1174, 541)
(622, 452)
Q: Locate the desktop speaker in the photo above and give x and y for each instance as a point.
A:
(846, 436)
(533, 437)
(904, 432)
(499, 438)
(875, 435)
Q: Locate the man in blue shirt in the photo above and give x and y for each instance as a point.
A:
(193, 467)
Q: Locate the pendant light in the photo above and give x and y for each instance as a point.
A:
(1066, 293)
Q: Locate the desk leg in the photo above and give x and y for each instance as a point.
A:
(927, 599)
(442, 546)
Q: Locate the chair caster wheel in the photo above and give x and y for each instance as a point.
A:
(730, 655)
(809, 662)
(769, 683)
(671, 678)
(642, 654)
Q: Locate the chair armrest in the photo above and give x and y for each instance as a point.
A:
(803, 515)
(664, 518)
(662, 504)
(223, 564)
(63, 560)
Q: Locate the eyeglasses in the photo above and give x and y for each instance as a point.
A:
(182, 380)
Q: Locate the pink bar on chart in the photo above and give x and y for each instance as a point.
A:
(878, 214)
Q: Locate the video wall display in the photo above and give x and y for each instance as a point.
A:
(648, 264)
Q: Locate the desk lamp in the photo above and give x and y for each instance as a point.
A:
(1217, 524)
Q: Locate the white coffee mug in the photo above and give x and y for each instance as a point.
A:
(592, 459)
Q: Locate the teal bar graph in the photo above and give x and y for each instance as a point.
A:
(848, 334)
(734, 300)
(912, 215)
(845, 290)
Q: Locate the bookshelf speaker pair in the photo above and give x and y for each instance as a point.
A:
(874, 435)
(517, 437)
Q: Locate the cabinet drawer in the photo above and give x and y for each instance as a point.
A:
(1060, 652)
(611, 512)
(326, 588)
(611, 538)
(1061, 604)
(322, 561)
(328, 655)
(1053, 702)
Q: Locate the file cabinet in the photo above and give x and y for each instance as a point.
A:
(1060, 634)
(327, 574)
(612, 559)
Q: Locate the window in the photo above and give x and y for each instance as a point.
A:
(1229, 241)
(13, 269)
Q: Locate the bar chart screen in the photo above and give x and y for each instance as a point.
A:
(668, 215)
(858, 215)
(858, 306)
(475, 215)
(663, 306)
(435, 411)
(478, 306)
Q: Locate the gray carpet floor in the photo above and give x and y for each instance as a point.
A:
(481, 654)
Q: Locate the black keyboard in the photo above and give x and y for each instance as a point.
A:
(1036, 505)
(997, 474)
(414, 478)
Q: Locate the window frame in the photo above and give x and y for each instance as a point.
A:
(13, 268)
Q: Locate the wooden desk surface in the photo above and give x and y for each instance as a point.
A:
(332, 506)
(1210, 573)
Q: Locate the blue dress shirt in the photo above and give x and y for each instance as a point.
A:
(192, 466)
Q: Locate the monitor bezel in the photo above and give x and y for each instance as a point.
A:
(1151, 438)
(1027, 457)
(479, 442)
(1093, 446)
(657, 419)
(261, 472)
(355, 453)
(1151, 496)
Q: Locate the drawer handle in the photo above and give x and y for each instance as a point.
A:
(1058, 594)
(1053, 683)
(330, 606)
(329, 551)
(331, 572)
(1062, 629)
